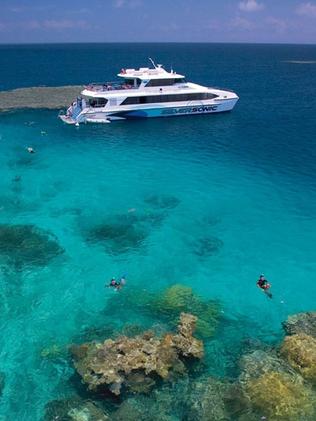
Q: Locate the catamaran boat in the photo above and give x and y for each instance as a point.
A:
(146, 92)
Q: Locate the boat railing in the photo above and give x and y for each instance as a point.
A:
(108, 86)
(221, 89)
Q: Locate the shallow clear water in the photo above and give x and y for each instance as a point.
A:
(244, 181)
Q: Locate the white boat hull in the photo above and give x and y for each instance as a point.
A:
(105, 115)
(98, 120)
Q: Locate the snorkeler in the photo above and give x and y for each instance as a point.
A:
(113, 284)
(123, 280)
(30, 150)
(117, 284)
(264, 285)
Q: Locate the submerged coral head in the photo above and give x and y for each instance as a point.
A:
(22, 245)
(129, 362)
(119, 234)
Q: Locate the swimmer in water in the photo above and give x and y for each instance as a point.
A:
(264, 285)
(123, 280)
(30, 149)
(116, 284)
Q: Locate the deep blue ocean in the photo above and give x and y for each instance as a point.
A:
(219, 199)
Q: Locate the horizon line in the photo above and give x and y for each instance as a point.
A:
(155, 42)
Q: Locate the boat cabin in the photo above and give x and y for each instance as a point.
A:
(139, 79)
(147, 77)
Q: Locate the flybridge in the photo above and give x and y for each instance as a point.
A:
(147, 73)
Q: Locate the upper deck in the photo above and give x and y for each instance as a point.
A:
(145, 73)
(143, 78)
(114, 88)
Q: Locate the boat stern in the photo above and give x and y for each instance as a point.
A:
(67, 119)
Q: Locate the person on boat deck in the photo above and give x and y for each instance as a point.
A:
(79, 102)
(264, 285)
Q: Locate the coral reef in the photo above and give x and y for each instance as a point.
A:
(178, 298)
(142, 409)
(22, 245)
(133, 410)
(300, 351)
(278, 397)
(39, 97)
(166, 307)
(272, 385)
(125, 232)
(74, 409)
(137, 382)
(166, 403)
(237, 403)
(162, 201)
(119, 235)
(174, 299)
(116, 362)
(87, 412)
(131, 330)
(136, 299)
(52, 351)
(275, 384)
(301, 323)
(259, 362)
(95, 333)
(207, 246)
(206, 400)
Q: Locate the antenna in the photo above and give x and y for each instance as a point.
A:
(152, 62)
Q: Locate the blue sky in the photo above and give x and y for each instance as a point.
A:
(292, 21)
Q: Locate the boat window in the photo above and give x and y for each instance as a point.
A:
(131, 100)
(162, 82)
(149, 99)
(132, 82)
(97, 102)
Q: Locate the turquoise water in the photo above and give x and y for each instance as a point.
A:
(243, 184)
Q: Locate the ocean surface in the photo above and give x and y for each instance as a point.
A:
(205, 201)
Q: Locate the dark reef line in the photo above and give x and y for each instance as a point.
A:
(39, 97)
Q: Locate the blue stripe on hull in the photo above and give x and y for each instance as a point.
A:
(166, 112)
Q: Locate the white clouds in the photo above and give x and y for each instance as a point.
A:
(64, 24)
(250, 6)
(30, 25)
(241, 23)
(271, 24)
(131, 4)
(45, 25)
(279, 25)
(119, 3)
(17, 9)
(54, 24)
(307, 9)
